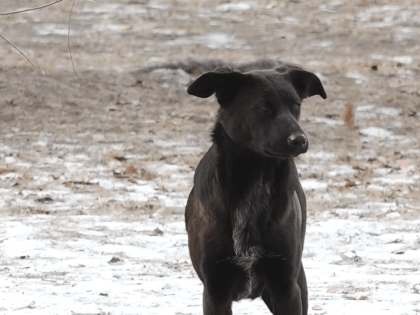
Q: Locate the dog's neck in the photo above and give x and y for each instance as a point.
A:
(239, 166)
(252, 182)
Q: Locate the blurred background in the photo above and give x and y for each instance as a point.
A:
(118, 136)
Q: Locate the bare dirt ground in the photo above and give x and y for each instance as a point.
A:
(101, 166)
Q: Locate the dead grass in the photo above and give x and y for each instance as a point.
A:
(349, 115)
(350, 183)
(131, 170)
(25, 211)
(115, 155)
(365, 3)
(6, 170)
(131, 210)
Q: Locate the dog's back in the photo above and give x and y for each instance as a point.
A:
(246, 214)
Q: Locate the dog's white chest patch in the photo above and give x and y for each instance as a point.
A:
(247, 263)
(246, 233)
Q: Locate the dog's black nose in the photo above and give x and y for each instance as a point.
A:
(297, 141)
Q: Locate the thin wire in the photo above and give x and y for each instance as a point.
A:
(21, 54)
(68, 41)
(31, 9)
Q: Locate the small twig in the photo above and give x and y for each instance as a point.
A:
(4, 68)
(30, 9)
(21, 54)
(68, 40)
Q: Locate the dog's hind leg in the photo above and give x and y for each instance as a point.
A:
(303, 290)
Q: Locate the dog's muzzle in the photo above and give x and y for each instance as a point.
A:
(298, 143)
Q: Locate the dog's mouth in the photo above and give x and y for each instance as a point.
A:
(279, 156)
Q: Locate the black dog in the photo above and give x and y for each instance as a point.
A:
(246, 214)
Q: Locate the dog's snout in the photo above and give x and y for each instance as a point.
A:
(297, 141)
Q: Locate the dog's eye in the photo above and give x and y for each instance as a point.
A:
(264, 109)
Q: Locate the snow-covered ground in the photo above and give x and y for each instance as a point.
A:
(108, 264)
(88, 246)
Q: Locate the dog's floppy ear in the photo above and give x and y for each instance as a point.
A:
(306, 83)
(223, 81)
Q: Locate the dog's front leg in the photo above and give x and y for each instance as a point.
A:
(215, 304)
(287, 300)
(223, 282)
(282, 292)
(303, 290)
(284, 301)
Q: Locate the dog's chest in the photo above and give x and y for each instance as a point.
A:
(248, 216)
(247, 233)
(248, 228)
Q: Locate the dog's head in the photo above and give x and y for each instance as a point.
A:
(260, 109)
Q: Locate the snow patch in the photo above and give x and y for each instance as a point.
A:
(313, 184)
(375, 132)
(212, 41)
(400, 59)
(358, 77)
(239, 6)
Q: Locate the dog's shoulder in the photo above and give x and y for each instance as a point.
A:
(205, 180)
(206, 168)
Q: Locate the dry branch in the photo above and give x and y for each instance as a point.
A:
(3, 67)
(22, 11)
(21, 54)
(31, 9)
(68, 40)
